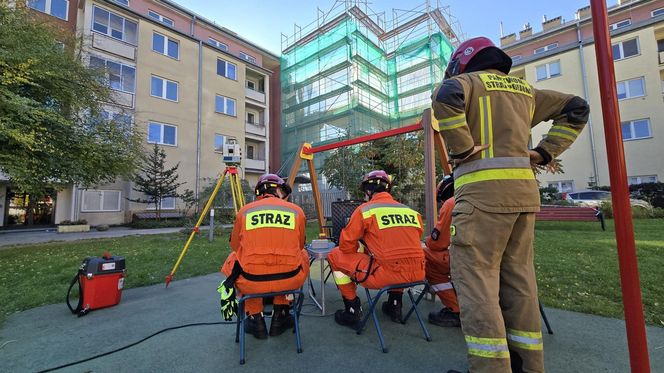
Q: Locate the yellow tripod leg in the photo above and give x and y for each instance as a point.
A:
(196, 228)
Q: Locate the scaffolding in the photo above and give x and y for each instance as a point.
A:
(354, 72)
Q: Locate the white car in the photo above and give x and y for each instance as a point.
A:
(593, 198)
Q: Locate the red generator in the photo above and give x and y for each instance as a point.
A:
(100, 283)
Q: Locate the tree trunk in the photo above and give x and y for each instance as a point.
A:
(30, 210)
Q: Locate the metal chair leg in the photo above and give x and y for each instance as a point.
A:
(546, 320)
(296, 316)
(243, 318)
(417, 313)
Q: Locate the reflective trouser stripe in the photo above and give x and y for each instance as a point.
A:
(496, 174)
(452, 123)
(442, 287)
(525, 340)
(491, 163)
(341, 278)
(487, 347)
(486, 126)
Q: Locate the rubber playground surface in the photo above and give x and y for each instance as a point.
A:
(50, 336)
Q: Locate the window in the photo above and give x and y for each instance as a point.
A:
(624, 49)
(564, 186)
(548, 70)
(516, 58)
(642, 179)
(224, 105)
(167, 203)
(617, 25)
(251, 85)
(219, 141)
(163, 134)
(120, 77)
(165, 45)
(158, 17)
(100, 200)
(247, 57)
(631, 88)
(218, 44)
(113, 25)
(123, 2)
(250, 152)
(56, 8)
(163, 88)
(546, 48)
(251, 118)
(657, 12)
(636, 129)
(225, 68)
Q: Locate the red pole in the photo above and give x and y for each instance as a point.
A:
(366, 138)
(629, 271)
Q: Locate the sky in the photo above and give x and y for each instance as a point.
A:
(263, 21)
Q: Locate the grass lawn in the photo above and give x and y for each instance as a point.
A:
(576, 264)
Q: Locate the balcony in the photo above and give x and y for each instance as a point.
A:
(255, 95)
(254, 165)
(255, 128)
(123, 98)
(107, 44)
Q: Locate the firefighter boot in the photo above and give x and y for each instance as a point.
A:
(282, 320)
(255, 324)
(445, 318)
(392, 307)
(351, 315)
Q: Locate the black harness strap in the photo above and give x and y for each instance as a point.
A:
(79, 307)
(238, 271)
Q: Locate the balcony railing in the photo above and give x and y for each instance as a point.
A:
(114, 46)
(255, 95)
(255, 128)
(255, 164)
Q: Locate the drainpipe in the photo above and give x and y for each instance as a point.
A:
(72, 213)
(198, 133)
(584, 78)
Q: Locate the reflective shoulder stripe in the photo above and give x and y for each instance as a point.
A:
(452, 122)
(487, 347)
(270, 207)
(491, 163)
(525, 340)
(366, 210)
(442, 287)
(390, 215)
(563, 135)
(495, 174)
(566, 129)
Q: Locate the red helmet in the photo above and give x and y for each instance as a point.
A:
(462, 56)
(445, 189)
(377, 177)
(267, 181)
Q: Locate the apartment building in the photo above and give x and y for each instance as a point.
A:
(187, 83)
(562, 57)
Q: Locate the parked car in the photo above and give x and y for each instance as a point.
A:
(593, 198)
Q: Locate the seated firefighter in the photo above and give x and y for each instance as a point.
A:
(438, 259)
(390, 233)
(268, 254)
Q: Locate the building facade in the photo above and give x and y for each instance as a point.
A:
(186, 83)
(562, 57)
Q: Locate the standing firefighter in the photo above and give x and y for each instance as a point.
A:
(268, 254)
(392, 253)
(437, 258)
(485, 118)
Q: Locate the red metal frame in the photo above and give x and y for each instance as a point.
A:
(374, 136)
(629, 271)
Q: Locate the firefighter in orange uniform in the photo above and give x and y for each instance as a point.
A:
(268, 242)
(390, 233)
(437, 258)
(485, 117)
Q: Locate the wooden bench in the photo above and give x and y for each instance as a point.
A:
(570, 213)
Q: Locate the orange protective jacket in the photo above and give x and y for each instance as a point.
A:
(268, 236)
(390, 230)
(439, 240)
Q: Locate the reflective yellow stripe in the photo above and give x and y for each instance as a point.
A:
(564, 136)
(269, 219)
(527, 346)
(522, 333)
(486, 341)
(447, 128)
(489, 354)
(497, 174)
(566, 129)
(488, 114)
(452, 119)
(525, 340)
(390, 217)
(482, 125)
(487, 347)
(341, 279)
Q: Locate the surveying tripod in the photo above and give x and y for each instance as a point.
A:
(238, 202)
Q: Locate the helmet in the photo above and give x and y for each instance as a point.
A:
(376, 177)
(267, 181)
(470, 48)
(445, 189)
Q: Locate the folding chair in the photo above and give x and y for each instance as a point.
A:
(373, 301)
(546, 321)
(241, 317)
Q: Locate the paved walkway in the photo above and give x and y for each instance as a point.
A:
(50, 336)
(20, 237)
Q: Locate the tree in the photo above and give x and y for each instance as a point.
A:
(52, 131)
(156, 181)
